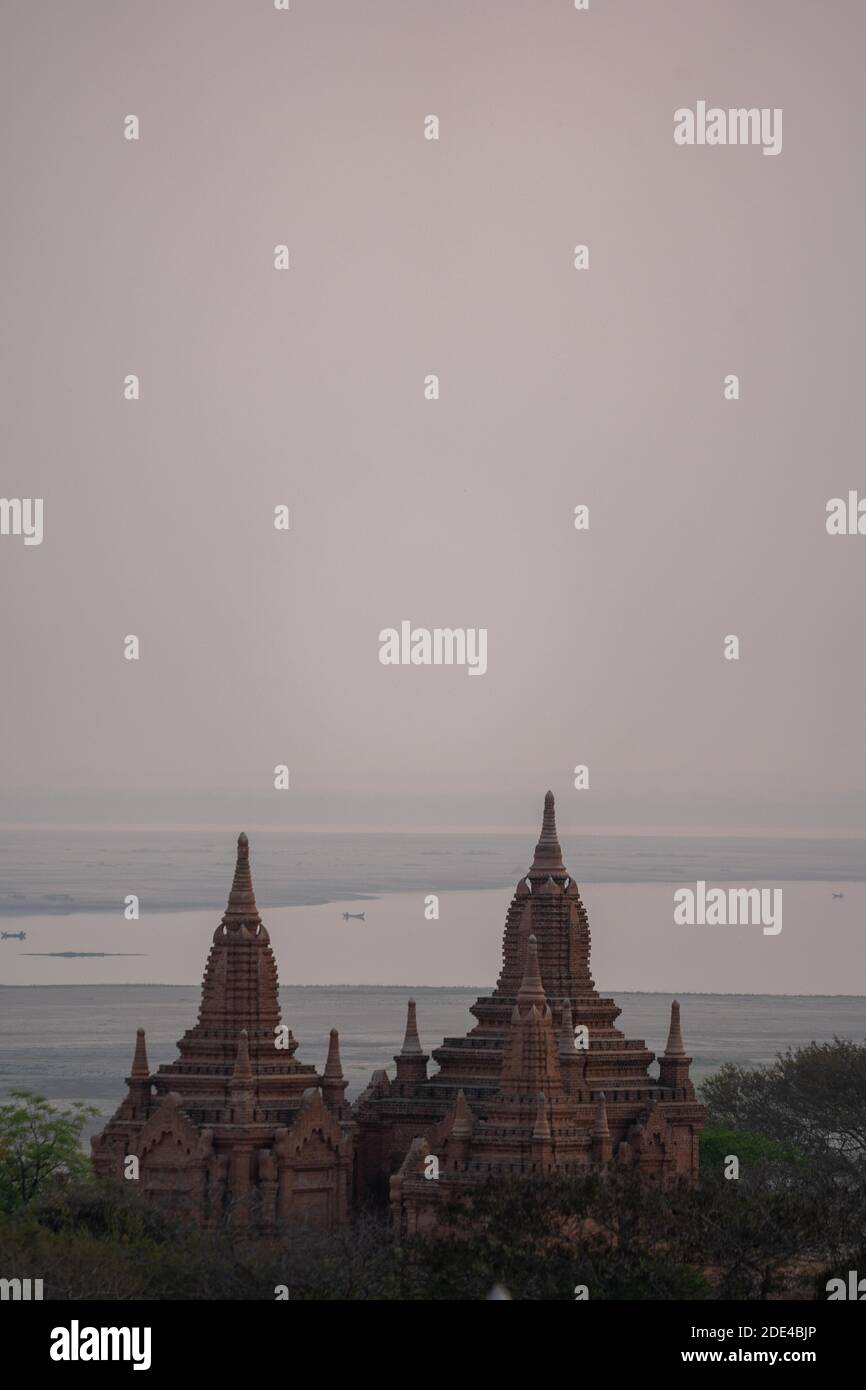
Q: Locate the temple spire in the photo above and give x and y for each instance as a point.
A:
(530, 1060)
(411, 1040)
(600, 1128)
(241, 909)
(462, 1117)
(138, 1080)
(241, 1087)
(673, 1063)
(542, 1123)
(566, 1032)
(334, 1066)
(333, 1081)
(243, 1069)
(548, 853)
(411, 1059)
(602, 1142)
(140, 1068)
(532, 988)
(675, 1046)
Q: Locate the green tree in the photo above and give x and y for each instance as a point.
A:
(812, 1099)
(718, 1143)
(39, 1144)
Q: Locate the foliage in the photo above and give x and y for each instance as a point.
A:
(812, 1099)
(717, 1143)
(39, 1144)
(545, 1238)
(774, 1230)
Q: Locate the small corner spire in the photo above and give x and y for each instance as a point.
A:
(566, 1032)
(411, 1040)
(462, 1117)
(600, 1128)
(140, 1067)
(542, 1123)
(243, 1069)
(333, 1066)
(675, 1046)
(531, 987)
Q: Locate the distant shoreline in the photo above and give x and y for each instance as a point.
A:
(475, 990)
(64, 874)
(10, 912)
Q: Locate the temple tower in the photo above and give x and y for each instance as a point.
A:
(546, 934)
(236, 1130)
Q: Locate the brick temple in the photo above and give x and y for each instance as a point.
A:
(517, 1096)
(238, 1130)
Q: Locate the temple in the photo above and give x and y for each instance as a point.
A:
(237, 1130)
(544, 1082)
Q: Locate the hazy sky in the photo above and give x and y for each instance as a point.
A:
(558, 387)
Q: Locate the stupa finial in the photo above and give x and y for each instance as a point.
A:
(548, 853)
(241, 909)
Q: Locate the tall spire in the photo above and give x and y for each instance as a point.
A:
(411, 1041)
(241, 909)
(676, 1046)
(240, 986)
(548, 854)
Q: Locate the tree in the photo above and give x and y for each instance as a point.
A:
(547, 1238)
(763, 1233)
(717, 1144)
(812, 1099)
(38, 1145)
